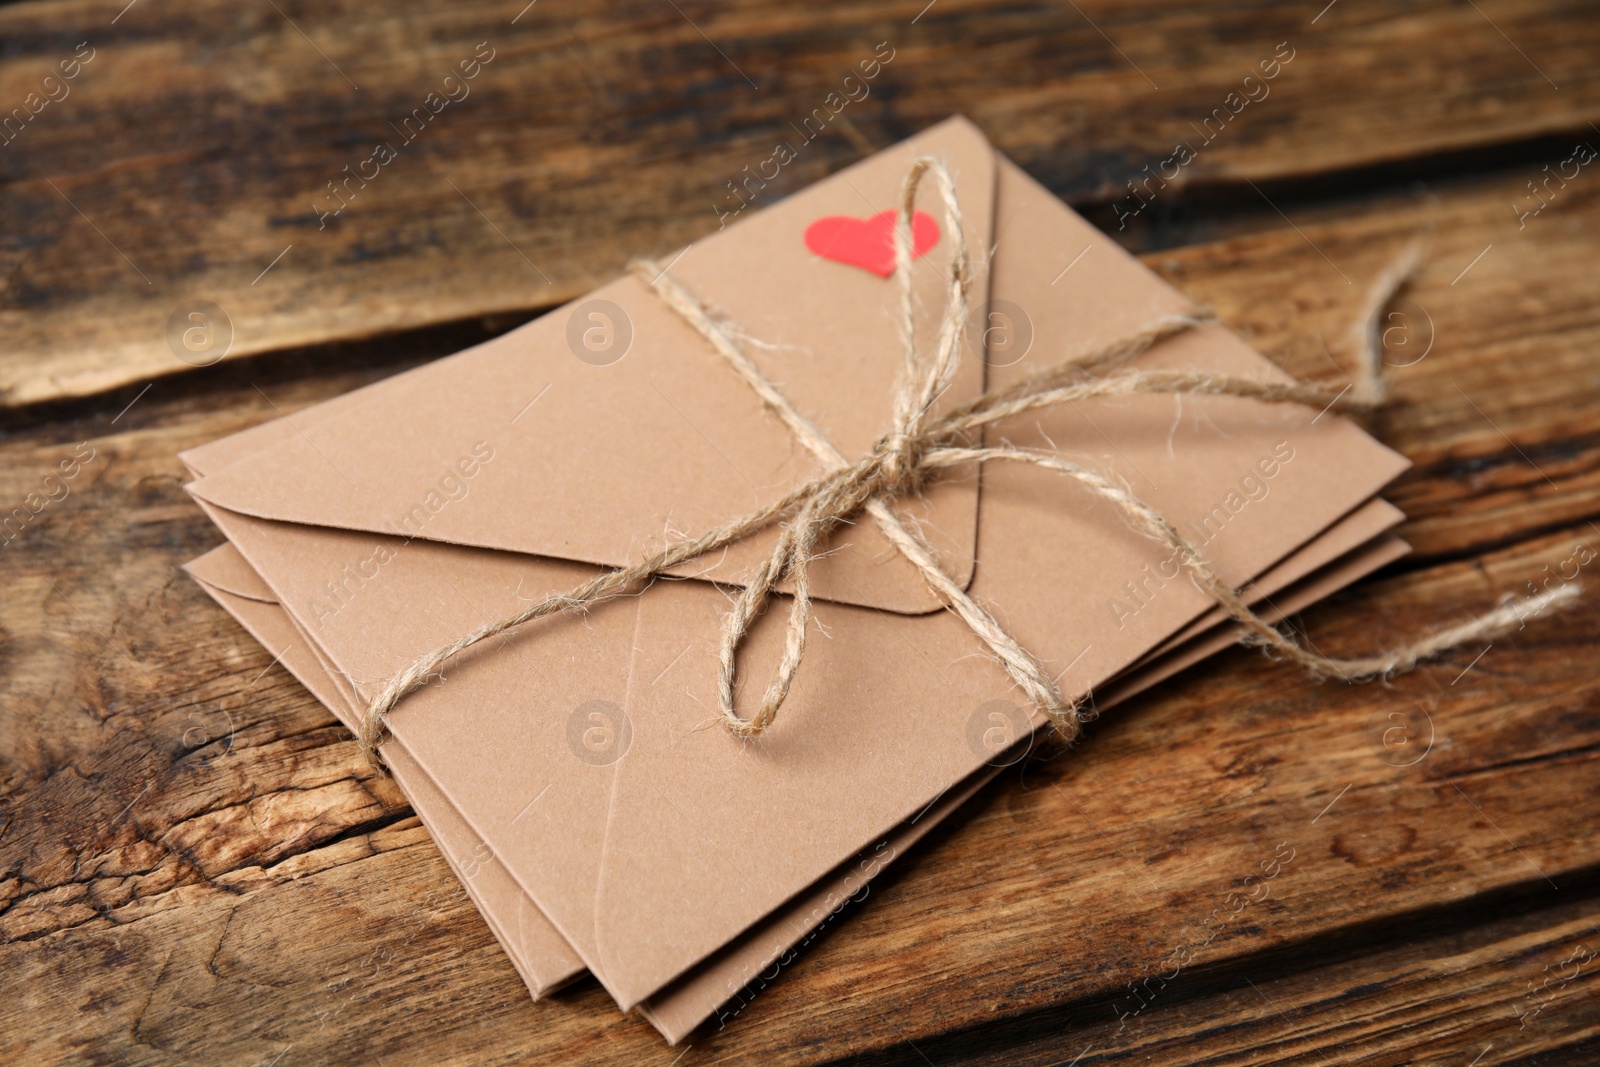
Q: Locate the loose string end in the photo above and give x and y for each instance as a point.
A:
(1510, 614)
(1370, 389)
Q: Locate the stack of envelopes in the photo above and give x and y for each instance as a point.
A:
(574, 772)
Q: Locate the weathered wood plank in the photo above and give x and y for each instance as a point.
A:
(196, 146)
(1516, 989)
(194, 866)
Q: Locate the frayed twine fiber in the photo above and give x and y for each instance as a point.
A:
(919, 445)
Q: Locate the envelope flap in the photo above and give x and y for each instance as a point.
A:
(224, 568)
(609, 426)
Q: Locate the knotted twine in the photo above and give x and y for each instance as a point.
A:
(917, 446)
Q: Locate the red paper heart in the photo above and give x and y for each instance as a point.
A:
(869, 243)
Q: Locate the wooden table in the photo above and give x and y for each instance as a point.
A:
(195, 865)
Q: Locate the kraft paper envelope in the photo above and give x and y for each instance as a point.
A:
(536, 950)
(538, 953)
(650, 863)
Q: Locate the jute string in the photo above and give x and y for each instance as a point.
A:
(920, 444)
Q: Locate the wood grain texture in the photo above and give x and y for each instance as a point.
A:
(195, 867)
(1507, 991)
(195, 150)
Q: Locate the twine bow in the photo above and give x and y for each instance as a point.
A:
(920, 444)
